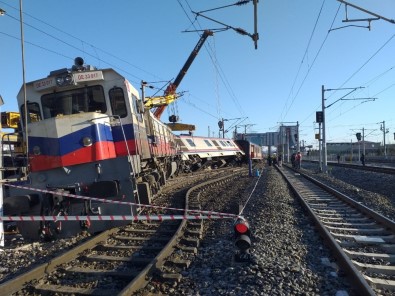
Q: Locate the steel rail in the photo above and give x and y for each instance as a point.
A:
(17, 283)
(361, 285)
(142, 278)
(371, 168)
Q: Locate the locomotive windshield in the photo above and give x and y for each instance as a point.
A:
(87, 99)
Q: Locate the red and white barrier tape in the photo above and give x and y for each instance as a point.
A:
(208, 213)
(111, 218)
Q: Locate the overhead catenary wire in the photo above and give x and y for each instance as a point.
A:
(302, 61)
(96, 56)
(369, 83)
(214, 61)
(360, 68)
(368, 60)
(310, 67)
(223, 78)
(349, 78)
(76, 38)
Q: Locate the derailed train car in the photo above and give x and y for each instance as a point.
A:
(203, 152)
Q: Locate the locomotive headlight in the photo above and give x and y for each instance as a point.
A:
(68, 79)
(59, 80)
(36, 150)
(64, 80)
(87, 141)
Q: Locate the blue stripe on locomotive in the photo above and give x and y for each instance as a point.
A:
(71, 142)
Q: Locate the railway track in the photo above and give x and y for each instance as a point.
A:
(370, 167)
(123, 260)
(363, 240)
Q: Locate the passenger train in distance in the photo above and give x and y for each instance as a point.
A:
(253, 151)
(89, 134)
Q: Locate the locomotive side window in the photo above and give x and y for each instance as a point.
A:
(208, 143)
(34, 112)
(191, 143)
(117, 100)
(136, 108)
(87, 99)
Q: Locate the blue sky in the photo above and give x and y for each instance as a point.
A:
(279, 82)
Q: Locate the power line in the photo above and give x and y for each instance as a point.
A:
(93, 47)
(358, 70)
(315, 58)
(78, 48)
(212, 55)
(304, 56)
(368, 60)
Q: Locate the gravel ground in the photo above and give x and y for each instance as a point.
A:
(376, 191)
(289, 258)
(19, 255)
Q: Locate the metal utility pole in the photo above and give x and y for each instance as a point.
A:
(363, 140)
(359, 150)
(221, 124)
(323, 145)
(297, 137)
(320, 145)
(245, 127)
(221, 128)
(24, 85)
(319, 118)
(323, 90)
(283, 141)
(382, 128)
(256, 24)
(287, 141)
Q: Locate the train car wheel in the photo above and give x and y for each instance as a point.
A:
(16, 205)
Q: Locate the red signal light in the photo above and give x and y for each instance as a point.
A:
(241, 227)
(242, 239)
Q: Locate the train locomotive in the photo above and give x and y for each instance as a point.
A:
(88, 134)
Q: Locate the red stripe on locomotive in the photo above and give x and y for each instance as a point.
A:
(98, 151)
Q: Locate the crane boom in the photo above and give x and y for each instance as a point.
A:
(191, 58)
(170, 92)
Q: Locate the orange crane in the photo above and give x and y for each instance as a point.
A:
(169, 96)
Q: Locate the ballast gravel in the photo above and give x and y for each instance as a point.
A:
(374, 190)
(288, 256)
